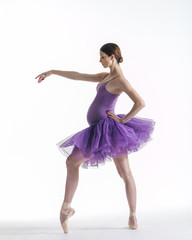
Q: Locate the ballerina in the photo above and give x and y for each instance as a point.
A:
(109, 136)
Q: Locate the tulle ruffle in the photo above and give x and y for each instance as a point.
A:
(107, 138)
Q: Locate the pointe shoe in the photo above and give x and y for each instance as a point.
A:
(65, 214)
(132, 226)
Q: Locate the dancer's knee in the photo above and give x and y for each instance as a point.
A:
(75, 159)
(123, 168)
(127, 175)
(72, 163)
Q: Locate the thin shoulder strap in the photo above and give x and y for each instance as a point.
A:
(110, 79)
(106, 81)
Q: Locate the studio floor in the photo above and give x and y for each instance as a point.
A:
(164, 226)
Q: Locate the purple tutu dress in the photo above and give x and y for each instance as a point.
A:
(106, 138)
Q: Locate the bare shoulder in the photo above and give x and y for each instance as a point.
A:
(97, 77)
(123, 83)
(125, 86)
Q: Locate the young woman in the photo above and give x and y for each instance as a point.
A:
(108, 135)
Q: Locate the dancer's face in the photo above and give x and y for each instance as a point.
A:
(105, 60)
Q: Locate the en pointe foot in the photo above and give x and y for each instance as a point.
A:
(132, 221)
(65, 214)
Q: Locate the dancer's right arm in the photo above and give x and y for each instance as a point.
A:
(74, 75)
(80, 76)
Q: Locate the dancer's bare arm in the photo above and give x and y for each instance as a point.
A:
(98, 77)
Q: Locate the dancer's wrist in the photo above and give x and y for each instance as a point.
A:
(123, 120)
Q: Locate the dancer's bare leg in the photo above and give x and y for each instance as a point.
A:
(72, 175)
(123, 168)
(71, 185)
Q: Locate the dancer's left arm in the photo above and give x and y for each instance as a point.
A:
(139, 103)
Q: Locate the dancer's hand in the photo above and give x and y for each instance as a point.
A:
(115, 117)
(43, 75)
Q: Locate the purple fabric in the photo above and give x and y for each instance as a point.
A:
(106, 138)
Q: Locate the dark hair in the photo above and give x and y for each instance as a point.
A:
(112, 48)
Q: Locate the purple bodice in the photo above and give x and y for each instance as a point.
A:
(102, 102)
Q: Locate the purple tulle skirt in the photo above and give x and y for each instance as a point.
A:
(107, 138)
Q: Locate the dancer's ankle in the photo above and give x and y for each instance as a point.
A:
(132, 214)
(65, 205)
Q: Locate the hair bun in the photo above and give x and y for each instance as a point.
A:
(121, 59)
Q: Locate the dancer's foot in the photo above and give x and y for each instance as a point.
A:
(132, 221)
(65, 214)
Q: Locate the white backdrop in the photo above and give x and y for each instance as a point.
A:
(155, 39)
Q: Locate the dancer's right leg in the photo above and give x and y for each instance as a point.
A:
(70, 187)
(72, 174)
